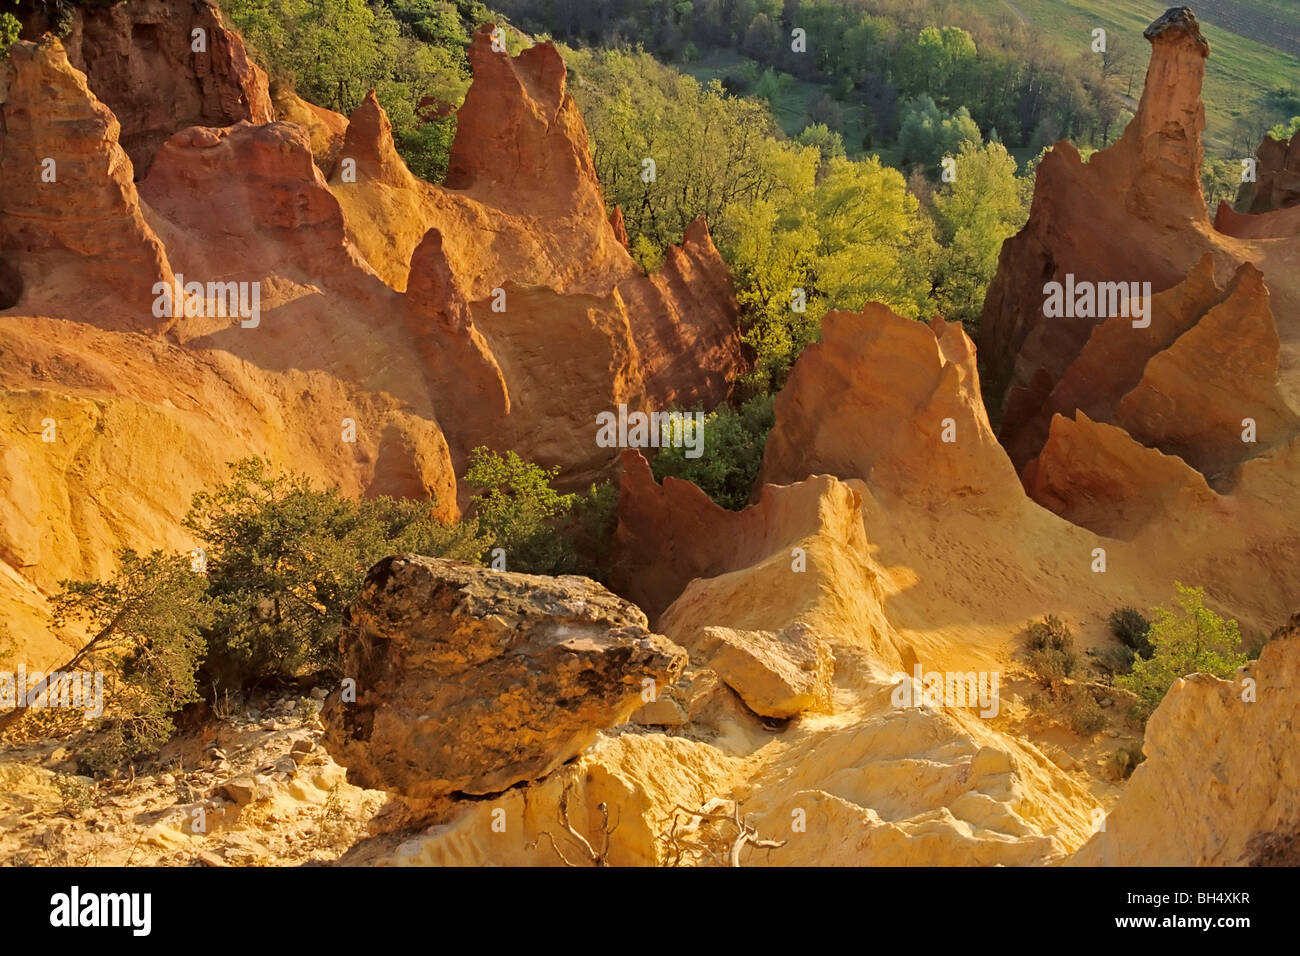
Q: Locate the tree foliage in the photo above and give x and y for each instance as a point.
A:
(1189, 639)
(517, 507)
(9, 30)
(984, 205)
(332, 52)
(285, 560)
(732, 451)
(145, 626)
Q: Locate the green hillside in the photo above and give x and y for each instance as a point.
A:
(1254, 49)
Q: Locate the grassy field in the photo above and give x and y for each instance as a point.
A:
(1254, 45)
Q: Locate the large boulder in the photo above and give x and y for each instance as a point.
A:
(776, 675)
(470, 680)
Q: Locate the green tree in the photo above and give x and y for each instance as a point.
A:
(712, 153)
(1284, 131)
(761, 38)
(938, 54)
(285, 561)
(1189, 640)
(433, 21)
(9, 30)
(873, 243)
(984, 205)
(829, 143)
(517, 506)
(145, 625)
(928, 134)
(732, 451)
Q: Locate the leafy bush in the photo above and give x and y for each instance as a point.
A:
(145, 625)
(590, 529)
(1133, 630)
(1117, 660)
(284, 561)
(519, 509)
(732, 452)
(985, 205)
(9, 30)
(1284, 131)
(928, 134)
(1051, 649)
(1083, 714)
(1191, 639)
(1051, 633)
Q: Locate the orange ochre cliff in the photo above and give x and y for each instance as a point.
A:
(893, 531)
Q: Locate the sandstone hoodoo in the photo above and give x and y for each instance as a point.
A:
(1134, 211)
(471, 681)
(83, 245)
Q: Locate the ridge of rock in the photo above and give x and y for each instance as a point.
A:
(79, 242)
(140, 60)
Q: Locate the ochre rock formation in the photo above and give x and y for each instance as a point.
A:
(72, 229)
(471, 681)
(1277, 177)
(776, 675)
(1098, 477)
(889, 532)
(146, 62)
(1200, 381)
(246, 201)
(1196, 397)
(1220, 785)
(914, 427)
(420, 375)
(1113, 359)
(1133, 213)
(532, 215)
(325, 128)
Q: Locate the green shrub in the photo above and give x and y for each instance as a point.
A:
(1133, 630)
(732, 451)
(146, 625)
(427, 148)
(9, 30)
(1191, 639)
(590, 529)
(1051, 649)
(1117, 660)
(517, 507)
(285, 560)
(1083, 714)
(1051, 633)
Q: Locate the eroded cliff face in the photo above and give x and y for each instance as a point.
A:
(1133, 213)
(1174, 429)
(1200, 798)
(1277, 176)
(161, 66)
(72, 230)
(890, 533)
(216, 298)
(515, 277)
